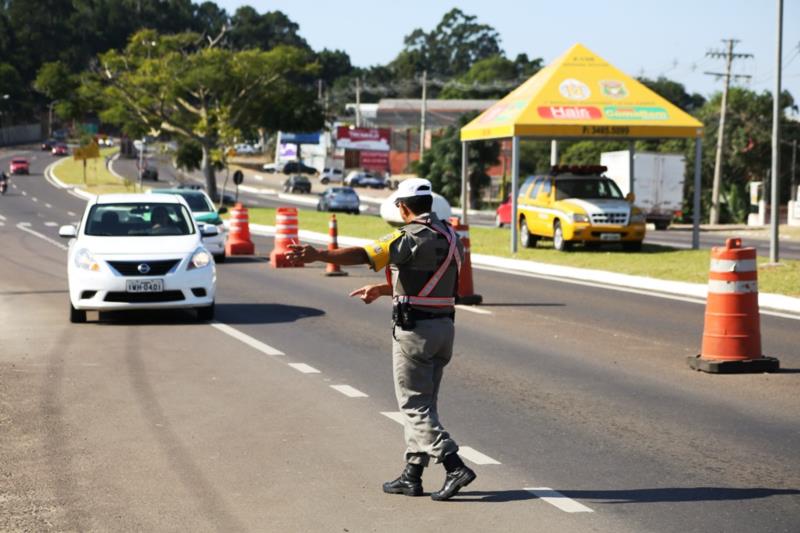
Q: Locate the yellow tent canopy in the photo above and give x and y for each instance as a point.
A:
(582, 95)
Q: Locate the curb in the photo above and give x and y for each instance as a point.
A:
(694, 292)
(50, 176)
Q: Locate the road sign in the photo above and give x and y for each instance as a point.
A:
(238, 177)
(90, 151)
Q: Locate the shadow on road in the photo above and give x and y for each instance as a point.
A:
(238, 259)
(249, 313)
(29, 293)
(689, 494)
(523, 304)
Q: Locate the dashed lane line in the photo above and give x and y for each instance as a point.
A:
(349, 391)
(475, 456)
(555, 498)
(71, 213)
(48, 206)
(394, 415)
(247, 339)
(34, 199)
(473, 309)
(51, 224)
(304, 368)
(24, 193)
(25, 226)
(2, 217)
(2, 224)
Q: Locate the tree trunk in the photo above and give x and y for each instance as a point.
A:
(208, 172)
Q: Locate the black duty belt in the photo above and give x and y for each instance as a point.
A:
(416, 314)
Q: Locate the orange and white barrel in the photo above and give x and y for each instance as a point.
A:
(286, 233)
(332, 269)
(732, 330)
(239, 241)
(466, 289)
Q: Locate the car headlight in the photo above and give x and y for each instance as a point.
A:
(579, 217)
(637, 218)
(200, 259)
(85, 260)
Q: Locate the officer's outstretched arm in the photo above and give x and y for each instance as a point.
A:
(304, 253)
(370, 293)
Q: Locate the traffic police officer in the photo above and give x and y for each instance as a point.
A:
(423, 259)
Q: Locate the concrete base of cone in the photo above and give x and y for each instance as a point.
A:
(239, 248)
(336, 273)
(747, 366)
(472, 299)
(278, 260)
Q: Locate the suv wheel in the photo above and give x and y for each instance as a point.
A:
(76, 316)
(632, 246)
(558, 238)
(526, 238)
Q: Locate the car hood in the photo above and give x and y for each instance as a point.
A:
(207, 217)
(597, 206)
(140, 246)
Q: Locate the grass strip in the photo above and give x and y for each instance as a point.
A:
(98, 178)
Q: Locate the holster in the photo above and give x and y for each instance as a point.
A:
(402, 316)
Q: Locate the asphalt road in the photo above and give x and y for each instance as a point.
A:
(574, 404)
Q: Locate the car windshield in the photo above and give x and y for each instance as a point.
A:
(138, 220)
(587, 188)
(197, 202)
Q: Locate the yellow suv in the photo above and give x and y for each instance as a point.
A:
(578, 205)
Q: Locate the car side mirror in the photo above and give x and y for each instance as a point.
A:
(68, 232)
(209, 230)
(630, 197)
(222, 210)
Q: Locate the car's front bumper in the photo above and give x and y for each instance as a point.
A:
(216, 244)
(585, 232)
(106, 290)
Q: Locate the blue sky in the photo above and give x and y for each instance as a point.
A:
(645, 37)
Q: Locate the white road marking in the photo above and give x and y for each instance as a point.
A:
(349, 391)
(71, 213)
(247, 339)
(24, 193)
(34, 199)
(14, 185)
(24, 226)
(553, 497)
(475, 456)
(2, 224)
(474, 309)
(48, 206)
(397, 416)
(2, 217)
(51, 224)
(259, 178)
(304, 368)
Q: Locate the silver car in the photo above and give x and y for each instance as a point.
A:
(341, 199)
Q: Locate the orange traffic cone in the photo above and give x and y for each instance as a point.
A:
(239, 241)
(466, 290)
(732, 334)
(332, 269)
(285, 234)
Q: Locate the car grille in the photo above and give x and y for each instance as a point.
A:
(620, 219)
(145, 297)
(131, 268)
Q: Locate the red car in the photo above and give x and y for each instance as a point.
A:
(60, 149)
(503, 214)
(19, 166)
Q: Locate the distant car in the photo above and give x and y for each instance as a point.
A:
(245, 149)
(503, 213)
(105, 141)
(331, 175)
(228, 199)
(297, 183)
(272, 167)
(343, 199)
(48, 144)
(297, 167)
(139, 251)
(204, 212)
(361, 178)
(19, 165)
(150, 173)
(60, 149)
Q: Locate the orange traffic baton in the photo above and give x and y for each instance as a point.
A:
(286, 228)
(466, 290)
(332, 269)
(239, 241)
(732, 331)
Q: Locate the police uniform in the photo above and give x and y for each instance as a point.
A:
(423, 260)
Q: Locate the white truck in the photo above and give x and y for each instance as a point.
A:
(658, 182)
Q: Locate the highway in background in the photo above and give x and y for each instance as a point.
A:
(574, 404)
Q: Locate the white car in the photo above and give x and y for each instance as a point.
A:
(139, 251)
(204, 212)
(245, 149)
(331, 175)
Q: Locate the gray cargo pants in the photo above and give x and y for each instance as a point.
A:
(418, 359)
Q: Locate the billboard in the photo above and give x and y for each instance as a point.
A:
(374, 139)
(299, 138)
(374, 160)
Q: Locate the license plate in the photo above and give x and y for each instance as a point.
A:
(610, 236)
(145, 285)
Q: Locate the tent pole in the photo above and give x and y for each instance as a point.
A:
(514, 181)
(553, 153)
(698, 154)
(631, 154)
(464, 191)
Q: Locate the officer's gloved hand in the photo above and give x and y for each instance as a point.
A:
(302, 253)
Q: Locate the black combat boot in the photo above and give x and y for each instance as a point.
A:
(458, 475)
(409, 482)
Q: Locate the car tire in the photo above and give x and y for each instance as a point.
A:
(219, 258)
(324, 181)
(205, 314)
(632, 246)
(559, 243)
(497, 222)
(356, 211)
(662, 224)
(76, 316)
(527, 239)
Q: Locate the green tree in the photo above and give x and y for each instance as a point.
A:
(675, 92)
(249, 29)
(492, 77)
(441, 164)
(209, 95)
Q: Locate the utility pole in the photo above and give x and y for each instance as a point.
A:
(793, 193)
(729, 57)
(423, 112)
(358, 102)
(774, 247)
